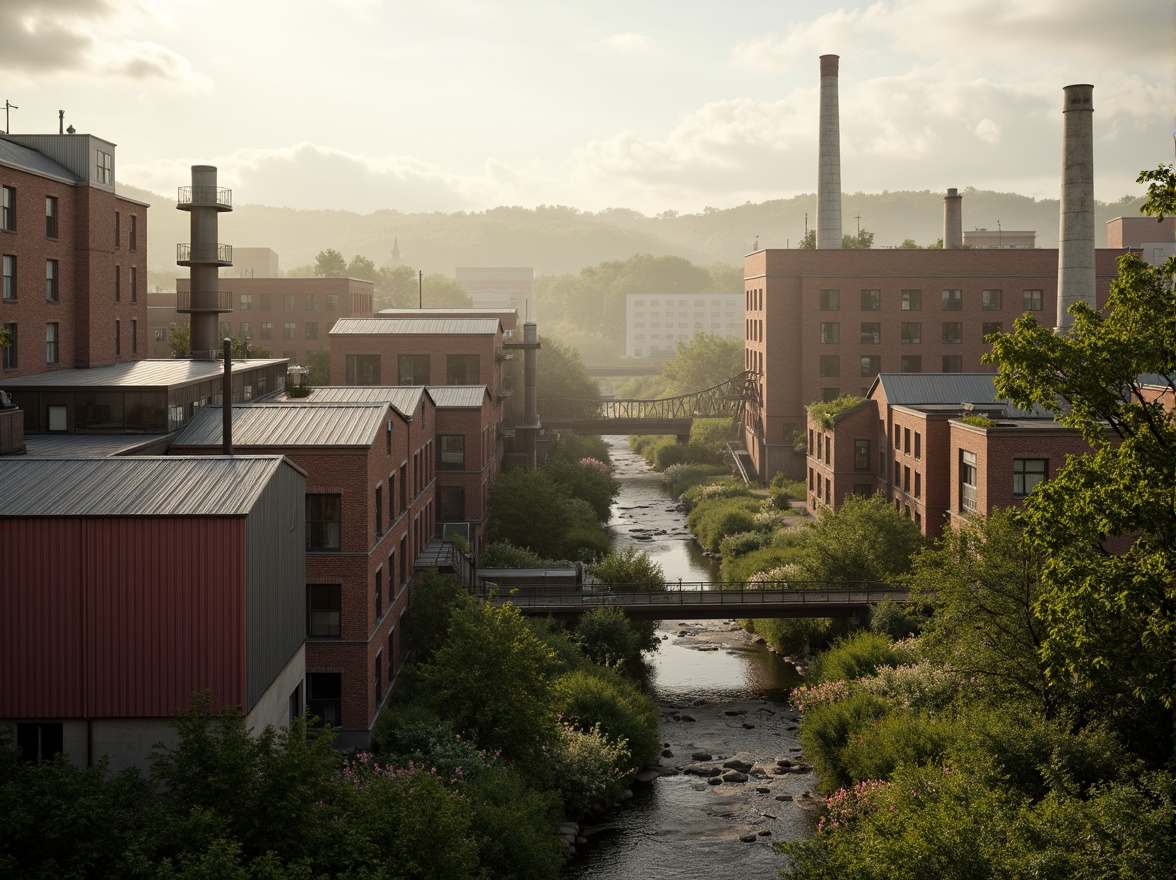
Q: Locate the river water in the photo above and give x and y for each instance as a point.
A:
(716, 693)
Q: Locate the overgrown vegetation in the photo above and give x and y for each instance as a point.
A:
(824, 412)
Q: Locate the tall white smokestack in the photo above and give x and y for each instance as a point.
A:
(1076, 228)
(829, 169)
(953, 220)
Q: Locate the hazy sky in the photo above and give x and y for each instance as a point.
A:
(462, 105)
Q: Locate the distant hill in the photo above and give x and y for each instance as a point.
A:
(557, 239)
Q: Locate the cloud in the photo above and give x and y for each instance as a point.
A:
(39, 37)
(627, 43)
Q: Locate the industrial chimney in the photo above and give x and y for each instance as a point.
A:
(204, 256)
(829, 170)
(953, 220)
(1076, 227)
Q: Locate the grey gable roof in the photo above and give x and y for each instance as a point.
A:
(134, 486)
(458, 396)
(16, 156)
(274, 425)
(404, 398)
(914, 389)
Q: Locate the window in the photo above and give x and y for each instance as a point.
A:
(906, 440)
(51, 216)
(104, 167)
(912, 300)
(324, 610)
(379, 675)
(871, 300)
(953, 363)
(391, 654)
(871, 364)
(918, 485)
(906, 479)
(244, 329)
(414, 369)
(363, 369)
(1032, 300)
(990, 300)
(968, 481)
(830, 332)
(9, 274)
(267, 330)
(324, 518)
(332, 302)
(861, 455)
(289, 302)
(953, 332)
(134, 236)
(379, 510)
(451, 503)
(312, 302)
(324, 697)
(912, 332)
(953, 300)
(452, 451)
(117, 229)
(289, 329)
(40, 740)
(910, 363)
(8, 208)
(918, 445)
(871, 333)
(117, 337)
(133, 281)
(117, 284)
(990, 327)
(10, 362)
(311, 329)
(265, 302)
(51, 274)
(245, 302)
(897, 437)
(461, 369)
(1027, 473)
(830, 365)
(830, 300)
(51, 331)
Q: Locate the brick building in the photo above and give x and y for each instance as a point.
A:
(74, 256)
(132, 582)
(1155, 240)
(907, 441)
(824, 323)
(369, 508)
(468, 444)
(290, 317)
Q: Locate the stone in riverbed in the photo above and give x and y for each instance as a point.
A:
(765, 833)
(748, 726)
(734, 776)
(700, 756)
(734, 711)
(666, 753)
(748, 838)
(736, 764)
(714, 780)
(763, 789)
(783, 797)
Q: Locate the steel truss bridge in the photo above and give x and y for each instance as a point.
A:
(667, 415)
(704, 601)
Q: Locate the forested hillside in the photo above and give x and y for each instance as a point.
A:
(559, 240)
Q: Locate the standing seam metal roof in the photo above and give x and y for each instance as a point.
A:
(415, 327)
(288, 424)
(134, 486)
(403, 398)
(27, 159)
(458, 396)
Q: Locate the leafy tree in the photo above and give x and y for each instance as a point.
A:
(809, 242)
(863, 240)
(330, 264)
(587, 479)
(703, 362)
(396, 288)
(526, 509)
(605, 636)
(865, 539)
(983, 581)
(562, 376)
(179, 340)
(319, 365)
(1105, 524)
(361, 267)
(909, 244)
(434, 601)
(635, 571)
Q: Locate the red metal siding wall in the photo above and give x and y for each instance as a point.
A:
(120, 617)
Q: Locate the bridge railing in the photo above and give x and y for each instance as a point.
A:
(720, 401)
(694, 594)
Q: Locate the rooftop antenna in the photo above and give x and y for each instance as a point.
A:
(8, 105)
(858, 217)
(61, 122)
(999, 235)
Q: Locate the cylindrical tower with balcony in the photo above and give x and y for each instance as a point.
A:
(204, 255)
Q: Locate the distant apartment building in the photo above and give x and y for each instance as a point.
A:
(289, 317)
(1155, 240)
(131, 583)
(656, 322)
(909, 441)
(369, 510)
(73, 257)
(253, 262)
(500, 287)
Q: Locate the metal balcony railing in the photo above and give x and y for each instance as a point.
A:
(204, 197)
(224, 302)
(220, 254)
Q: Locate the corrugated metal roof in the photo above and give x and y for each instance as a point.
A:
(404, 398)
(947, 389)
(287, 424)
(458, 396)
(415, 326)
(161, 373)
(132, 486)
(30, 160)
(84, 445)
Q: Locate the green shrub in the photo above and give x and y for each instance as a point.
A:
(605, 635)
(876, 750)
(895, 621)
(504, 554)
(744, 543)
(858, 655)
(668, 453)
(713, 521)
(623, 711)
(827, 730)
(680, 477)
(590, 768)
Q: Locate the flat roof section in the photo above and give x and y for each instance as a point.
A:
(137, 374)
(416, 327)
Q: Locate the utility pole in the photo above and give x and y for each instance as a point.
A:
(420, 288)
(8, 105)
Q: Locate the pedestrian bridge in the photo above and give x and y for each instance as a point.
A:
(703, 601)
(666, 415)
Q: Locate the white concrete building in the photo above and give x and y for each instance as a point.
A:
(656, 322)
